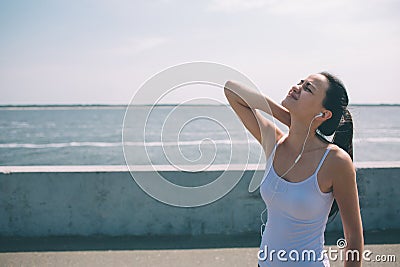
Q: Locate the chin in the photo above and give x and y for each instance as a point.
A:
(285, 104)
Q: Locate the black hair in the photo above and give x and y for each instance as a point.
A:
(341, 122)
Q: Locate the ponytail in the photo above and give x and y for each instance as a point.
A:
(343, 138)
(341, 123)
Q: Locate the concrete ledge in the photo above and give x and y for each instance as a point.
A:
(122, 168)
(38, 201)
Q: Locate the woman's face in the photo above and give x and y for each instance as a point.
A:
(305, 98)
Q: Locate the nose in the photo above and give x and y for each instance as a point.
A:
(295, 88)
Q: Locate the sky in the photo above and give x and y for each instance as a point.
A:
(101, 52)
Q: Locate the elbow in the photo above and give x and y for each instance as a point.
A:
(228, 87)
(355, 242)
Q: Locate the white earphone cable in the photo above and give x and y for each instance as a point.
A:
(296, 160)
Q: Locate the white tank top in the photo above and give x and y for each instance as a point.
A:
(297, 216)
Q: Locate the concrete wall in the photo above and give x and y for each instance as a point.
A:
(105, 200)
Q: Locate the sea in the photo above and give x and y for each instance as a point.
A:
(93, 135)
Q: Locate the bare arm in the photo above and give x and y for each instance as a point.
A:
(346, 195)
(246, 101)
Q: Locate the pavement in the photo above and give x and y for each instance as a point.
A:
(176, 251)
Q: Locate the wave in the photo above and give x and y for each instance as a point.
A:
(59, 145)
(119, 144)
(389, 140)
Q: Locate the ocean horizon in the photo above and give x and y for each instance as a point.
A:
(91, 134)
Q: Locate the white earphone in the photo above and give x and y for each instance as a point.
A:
(321, 114)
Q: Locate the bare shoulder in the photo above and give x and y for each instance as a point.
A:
(339, 157)
(340, 163)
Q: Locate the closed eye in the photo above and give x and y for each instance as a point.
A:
(308, 84)
(306, 88)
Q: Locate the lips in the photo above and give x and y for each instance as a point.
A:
(292, 96)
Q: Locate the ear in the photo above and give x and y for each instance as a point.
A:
(327, 114)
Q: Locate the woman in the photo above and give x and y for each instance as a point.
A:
(298, 200)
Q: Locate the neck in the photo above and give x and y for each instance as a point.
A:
(298, 133)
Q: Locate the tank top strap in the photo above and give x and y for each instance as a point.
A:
(278, 143)
(280, 140)
(270, 158)
(322, 160)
